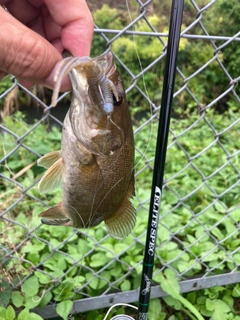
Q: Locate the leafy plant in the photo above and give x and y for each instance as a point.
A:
(115, 257)
(198, 227)
(9, 314)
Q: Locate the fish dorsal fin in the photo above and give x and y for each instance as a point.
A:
(56, 216)
(52, 178)
(49, 159)
(122, 221)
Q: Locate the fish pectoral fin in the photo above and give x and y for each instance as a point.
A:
(122, 221)
(57, 222)
(52, 179)
(56, 216)
(49, 159)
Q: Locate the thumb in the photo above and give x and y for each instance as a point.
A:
(25, 54)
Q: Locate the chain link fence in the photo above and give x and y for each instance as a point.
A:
(198, 234)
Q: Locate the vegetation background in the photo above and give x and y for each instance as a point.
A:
(206, 247)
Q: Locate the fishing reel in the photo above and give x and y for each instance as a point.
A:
(120, 316)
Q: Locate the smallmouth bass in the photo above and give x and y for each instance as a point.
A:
(95, 165)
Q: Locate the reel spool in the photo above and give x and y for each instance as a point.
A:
(120, 316)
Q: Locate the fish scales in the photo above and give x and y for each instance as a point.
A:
(96, 160)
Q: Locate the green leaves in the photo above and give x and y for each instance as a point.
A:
(64, 308)
(25, 314)
(99, 259)
(155, 310)
(2, 313)
(125, 285)
(10, 313)
(64, 291)
(5, 292)
(30, 286)
(17, 299)
(170, 285)
(218, 309)
(199, 233)
(28, 297)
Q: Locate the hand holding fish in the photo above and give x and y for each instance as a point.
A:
(33, 34)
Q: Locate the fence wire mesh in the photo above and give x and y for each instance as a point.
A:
(199, 225)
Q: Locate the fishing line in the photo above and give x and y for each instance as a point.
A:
(144, 85)
(122, 133)
(109, 192)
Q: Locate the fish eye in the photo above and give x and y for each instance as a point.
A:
(119, 102)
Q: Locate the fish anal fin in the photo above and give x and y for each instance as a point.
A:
(122, 221)
(56, 216)
(49, 159)
(52, 178)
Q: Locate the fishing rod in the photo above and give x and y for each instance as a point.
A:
(160, 156)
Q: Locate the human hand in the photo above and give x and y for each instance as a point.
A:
(35, 33)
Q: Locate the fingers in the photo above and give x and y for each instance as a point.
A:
(21, 10)
(27, 55)
(2, 74)
(77, 24)
(24, 53)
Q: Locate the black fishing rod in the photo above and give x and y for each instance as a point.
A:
(160, 156)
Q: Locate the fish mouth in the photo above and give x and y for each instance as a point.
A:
(94, 71)
(105, 60)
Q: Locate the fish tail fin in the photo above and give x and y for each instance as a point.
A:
(56, 216)
(52, 179)
(49, 159)
(122, 221)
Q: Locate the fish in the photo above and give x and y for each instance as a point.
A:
(95, 166)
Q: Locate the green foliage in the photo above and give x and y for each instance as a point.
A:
(64, 308)
(27, 299)
(170, 285)
(155, 310)
(136, 53)
(21, 167)
(34, 291)
(5, 292)
(139, 52)
(110, 17)
(9, 314)
(5, 84)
